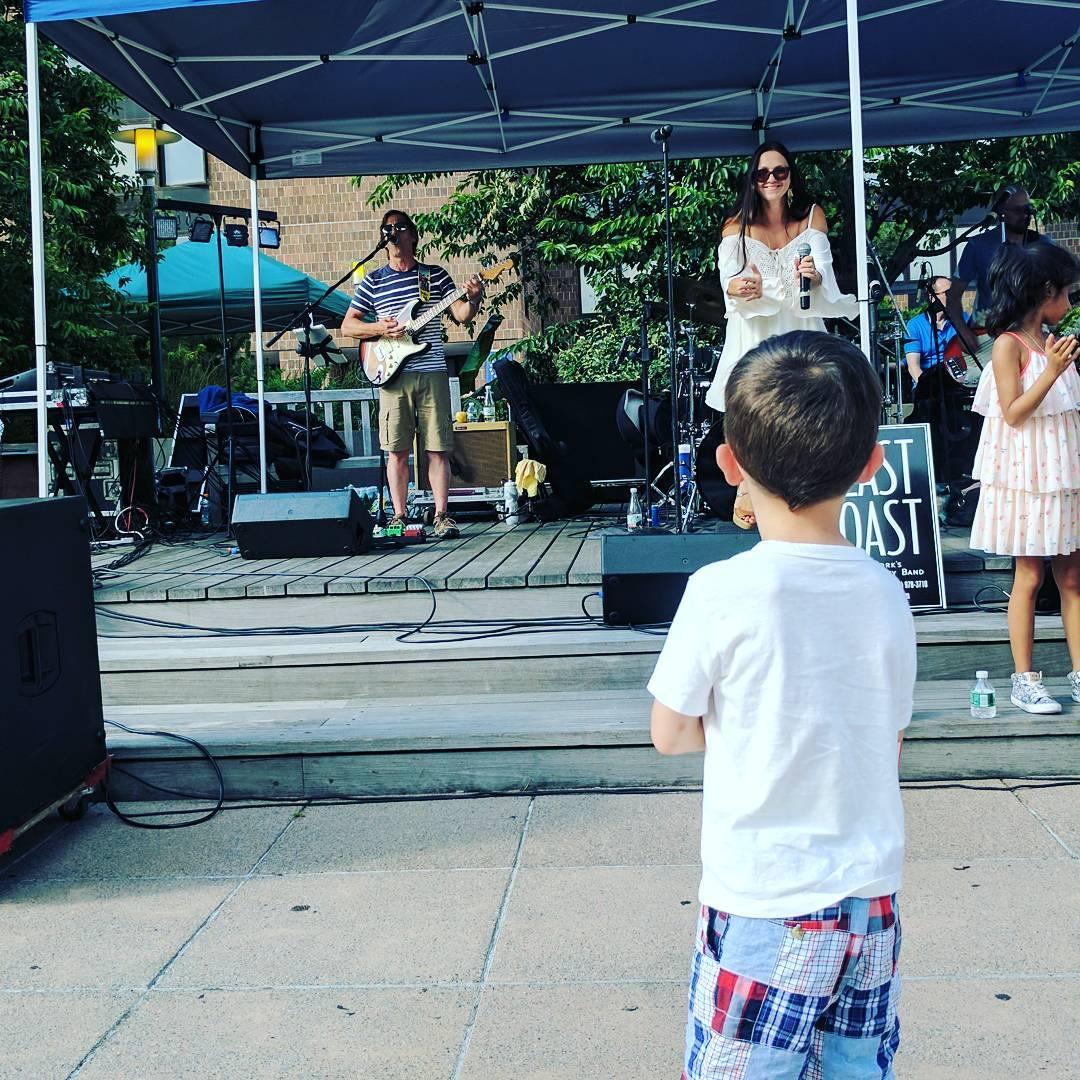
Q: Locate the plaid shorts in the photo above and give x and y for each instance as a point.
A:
(796, 999)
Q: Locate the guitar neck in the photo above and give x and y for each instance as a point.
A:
(433, 313)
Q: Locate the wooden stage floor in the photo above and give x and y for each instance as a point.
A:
(488, 555)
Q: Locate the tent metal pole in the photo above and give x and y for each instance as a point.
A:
(260, 370)
(37, 247)
(858, 174)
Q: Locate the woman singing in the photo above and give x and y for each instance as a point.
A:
(760, 268)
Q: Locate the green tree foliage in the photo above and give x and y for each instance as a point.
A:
(609, 220)
(86, 232)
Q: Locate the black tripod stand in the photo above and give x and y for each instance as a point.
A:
(660, 137)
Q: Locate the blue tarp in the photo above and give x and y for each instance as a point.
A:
(188, 285)
(344, 87)
(58, 10)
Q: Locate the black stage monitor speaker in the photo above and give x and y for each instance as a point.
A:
(645, 574)
(52, 736)
(301, 524)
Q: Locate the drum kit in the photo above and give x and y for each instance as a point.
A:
(692, 466)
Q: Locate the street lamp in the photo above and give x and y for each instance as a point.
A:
(147, 140)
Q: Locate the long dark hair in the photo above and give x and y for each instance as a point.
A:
(1022, 278)
(751, 206)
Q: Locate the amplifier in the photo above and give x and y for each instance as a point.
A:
(645, 574)
(483, 455)
(301, 524)
(52, 737)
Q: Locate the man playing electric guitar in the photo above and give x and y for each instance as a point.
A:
(927, 342)
(419, 395)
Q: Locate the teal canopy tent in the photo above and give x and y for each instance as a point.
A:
(188, 284)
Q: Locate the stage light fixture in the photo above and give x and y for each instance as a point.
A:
(236, 234)
(202, 230)
(165, 227)
(269, 236)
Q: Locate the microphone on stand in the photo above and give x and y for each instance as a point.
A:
(804, 282)
(661, 134)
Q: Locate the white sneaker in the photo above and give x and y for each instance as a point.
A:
(1074, 684)
(1029, 694)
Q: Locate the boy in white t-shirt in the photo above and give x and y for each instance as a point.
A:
(792, 666)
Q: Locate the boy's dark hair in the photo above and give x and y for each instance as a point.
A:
(802, 415)
(1021, 278)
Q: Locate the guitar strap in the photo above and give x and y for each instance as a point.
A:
(423, 280)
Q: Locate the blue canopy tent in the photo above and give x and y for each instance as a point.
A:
(188, 289)
(280, 89)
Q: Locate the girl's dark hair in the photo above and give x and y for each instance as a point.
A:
(1022, 278)
(750, 208)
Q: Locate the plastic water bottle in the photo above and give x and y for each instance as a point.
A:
(633, 514)
(489, 405)
(204, 509)
(472, 411)
(983, 700)
(510, 502)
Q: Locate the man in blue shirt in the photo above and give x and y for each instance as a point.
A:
(419, 395)
(922, 348)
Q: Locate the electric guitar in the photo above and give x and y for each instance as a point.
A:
(382, 358)
(954, 359)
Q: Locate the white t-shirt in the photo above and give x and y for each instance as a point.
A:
(801, 659)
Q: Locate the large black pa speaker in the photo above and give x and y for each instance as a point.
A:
(301, 524)
(52, 736)
(645, 574)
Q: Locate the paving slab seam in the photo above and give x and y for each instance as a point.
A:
(375, 872)
(1046, 825)
(210, 918)
(1023, 976)
(470, 1023)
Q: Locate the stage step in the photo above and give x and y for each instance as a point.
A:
(519, 742)
(163, 671)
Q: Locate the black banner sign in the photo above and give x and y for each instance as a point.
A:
(893, 517)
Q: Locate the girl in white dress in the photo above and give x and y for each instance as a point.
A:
(760, 268)
(1028, 459)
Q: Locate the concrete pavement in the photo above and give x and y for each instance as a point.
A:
(492, 938)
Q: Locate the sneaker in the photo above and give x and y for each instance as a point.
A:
(1074, 684)
(1029, 694)
(445, 527)
(397, 523)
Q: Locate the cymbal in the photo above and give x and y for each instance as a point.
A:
(702, 301)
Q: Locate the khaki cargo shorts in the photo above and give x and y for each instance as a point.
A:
(416, 401)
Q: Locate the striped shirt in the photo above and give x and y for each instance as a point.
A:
(386, 291)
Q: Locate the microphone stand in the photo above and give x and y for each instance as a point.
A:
(305, 318)
(933, 307)
(661, 136)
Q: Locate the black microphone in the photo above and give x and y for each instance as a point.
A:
(804, 282)
(387, 233)
(661, 134)
(1003, 196)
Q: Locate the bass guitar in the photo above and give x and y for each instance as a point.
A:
(382, 357)
(954, 358)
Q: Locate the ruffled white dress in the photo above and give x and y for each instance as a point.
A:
(1029, 503)
(776, 311)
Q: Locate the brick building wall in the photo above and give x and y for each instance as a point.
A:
(326, 224)
(1065, 233)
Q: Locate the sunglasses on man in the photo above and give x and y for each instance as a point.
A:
(395, 227)
(780, 173)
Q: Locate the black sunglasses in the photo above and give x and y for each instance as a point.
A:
(1074, 297)
(396, 227)
(781, 173)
